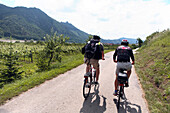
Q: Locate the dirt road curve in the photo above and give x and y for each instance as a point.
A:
(63, 94)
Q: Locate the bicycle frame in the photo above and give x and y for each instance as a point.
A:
(91, 73)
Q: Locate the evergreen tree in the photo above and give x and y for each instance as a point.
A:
(11, 73)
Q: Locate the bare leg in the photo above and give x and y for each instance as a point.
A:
(128, 73)
(97, 74)
(87, 68)
(116, 83)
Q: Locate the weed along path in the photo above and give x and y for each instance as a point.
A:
(64, 94)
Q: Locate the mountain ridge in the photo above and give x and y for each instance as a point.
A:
(118, 41)
(32, 23)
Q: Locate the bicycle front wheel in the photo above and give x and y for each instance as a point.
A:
(86, 87)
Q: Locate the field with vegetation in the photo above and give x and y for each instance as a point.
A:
(153, 67)
(28, 64)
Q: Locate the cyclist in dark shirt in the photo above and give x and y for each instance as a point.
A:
(123, 53)
(99, 54)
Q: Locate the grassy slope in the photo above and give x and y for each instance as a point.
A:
(153, 68)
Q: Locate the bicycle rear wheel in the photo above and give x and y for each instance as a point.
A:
(87, 87)
(119, 96)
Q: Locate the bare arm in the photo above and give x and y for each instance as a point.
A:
(132, 57)
(103, 55)
(114, 56)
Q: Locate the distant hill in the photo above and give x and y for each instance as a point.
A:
(32, 23)
(118, 41)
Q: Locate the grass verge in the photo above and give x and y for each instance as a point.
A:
(19, 86)
(153, 68)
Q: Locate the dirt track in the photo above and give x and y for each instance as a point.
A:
(63, 94)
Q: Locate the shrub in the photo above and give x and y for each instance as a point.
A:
(42, 61)
(11, 73)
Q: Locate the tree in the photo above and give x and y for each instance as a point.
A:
(11, 73)
(139, 42)
(42, 60)
(52, 49)
(53, 44)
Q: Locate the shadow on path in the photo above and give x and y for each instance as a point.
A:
(93, 106)
(127, 107)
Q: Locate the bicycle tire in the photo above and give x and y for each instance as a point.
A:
(119, 96)
(122, 93)
(86, 90)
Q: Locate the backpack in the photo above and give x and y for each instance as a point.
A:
(90, 49)
(98, 51)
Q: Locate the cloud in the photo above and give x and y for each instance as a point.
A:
(132, 18)
(108, 18)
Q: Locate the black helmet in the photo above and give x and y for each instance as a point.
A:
(96, 37)
(124, 42)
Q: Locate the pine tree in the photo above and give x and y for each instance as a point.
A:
(11, 73)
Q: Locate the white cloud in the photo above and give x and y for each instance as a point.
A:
(133, 18)
(107, 18)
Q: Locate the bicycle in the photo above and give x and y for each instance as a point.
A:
(89, 79)
(122, 82)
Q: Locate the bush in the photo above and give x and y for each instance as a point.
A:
(42, 61)
(11, 73)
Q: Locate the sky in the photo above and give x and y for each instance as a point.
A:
(110, 19)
